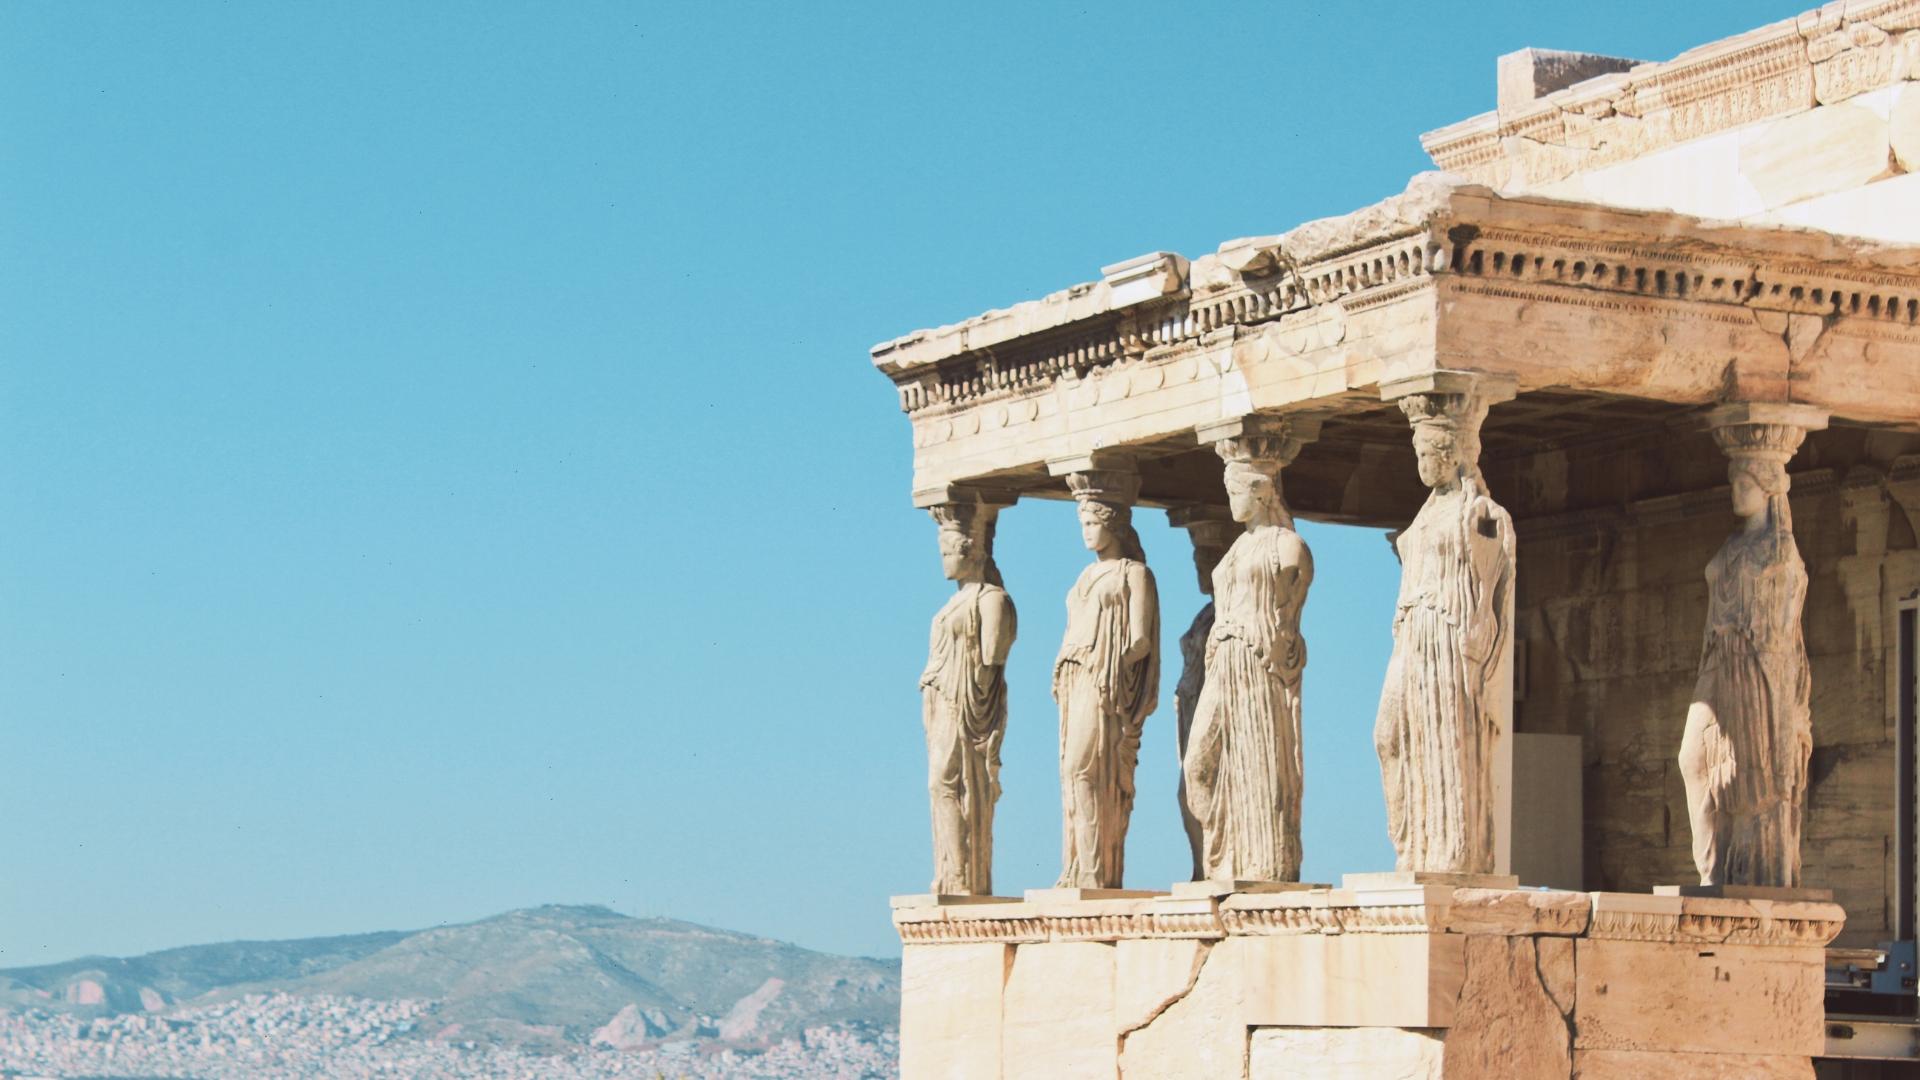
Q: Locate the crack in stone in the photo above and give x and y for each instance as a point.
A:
(1193, 979)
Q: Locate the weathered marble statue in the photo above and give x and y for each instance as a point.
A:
(1441, 710)
(1749, 733)
(1212, 531)
(1242, 762)
(1106, 681)
(964, 700)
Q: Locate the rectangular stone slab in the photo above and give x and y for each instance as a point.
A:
(1700, 998)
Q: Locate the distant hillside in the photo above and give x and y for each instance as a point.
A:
(553, 974)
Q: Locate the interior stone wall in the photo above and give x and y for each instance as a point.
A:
(1614, 544)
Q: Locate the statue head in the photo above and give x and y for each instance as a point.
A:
(1106, 511)
(966, 541)
(1757, 456)
(1253, 465)
(1446, 436)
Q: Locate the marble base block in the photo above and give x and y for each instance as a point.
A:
(1400, 879)
(1186, 890)
(923, 900)
(1414, 979)
(1745, 892)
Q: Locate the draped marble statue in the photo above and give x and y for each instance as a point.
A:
(964, 700)
(1442, 712)
(1106, 681)
(1243, 760)
(1212, 531)
(1749, 733)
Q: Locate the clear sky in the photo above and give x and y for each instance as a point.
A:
(441, 470)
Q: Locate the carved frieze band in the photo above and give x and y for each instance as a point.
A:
(1378, 270)
(1809, 925)
(1823, 57)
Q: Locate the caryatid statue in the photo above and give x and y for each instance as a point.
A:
(1444, 716)
(1106, 680)
(1212, 530)
(1749, 733)
(964, 699)
(1243, 759)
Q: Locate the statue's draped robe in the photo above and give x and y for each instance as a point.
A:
(1104, 701)
(1186, 696)
(1746, 765)
(1437, 719)
(964, 706)
(1243, 764)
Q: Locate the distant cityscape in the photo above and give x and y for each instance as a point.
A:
(556, 993)
(283, 1035)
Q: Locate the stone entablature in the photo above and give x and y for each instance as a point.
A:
(1822, 57)
(1645, 304)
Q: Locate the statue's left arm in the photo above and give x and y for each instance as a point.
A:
(998, 625)
(1143, 614)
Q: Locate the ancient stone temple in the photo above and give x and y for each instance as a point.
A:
(1634, 379)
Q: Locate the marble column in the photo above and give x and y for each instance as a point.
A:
(964, 693)
(1107, 677)
(1444, 729)
(1243, 763)
(1749, 731)
(1212, 530)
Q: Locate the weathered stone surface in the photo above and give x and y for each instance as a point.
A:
(1832, 148)
(1903, 127)
(1556, 971)
(1713, 999)
(1150, 975)
(1345, 1054)
(1518, 911)
(1201, 1033)
(950, 998)
(1351, 979)
(1507, 1023)
(1058, 1015)
(1654, 1065)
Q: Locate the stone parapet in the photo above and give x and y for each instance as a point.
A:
(1429, 979)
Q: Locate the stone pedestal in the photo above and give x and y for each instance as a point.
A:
(1422, 981)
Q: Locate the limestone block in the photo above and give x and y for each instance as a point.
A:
(1831, 148)
(1903, 128)
(1059, 1008)
(1351, 979)
(1713, 999)
(1344, 1053)
(1506, 1024)
(1518, 911)
(1653, 1065)
(1150, 974)
(1200, 1034)
(950, 1011)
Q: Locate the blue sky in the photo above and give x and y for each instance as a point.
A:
(441, 471)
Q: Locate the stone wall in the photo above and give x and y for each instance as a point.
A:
(1614, 542)
(1417, 982)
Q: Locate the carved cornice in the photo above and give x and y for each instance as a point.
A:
(1465, 237)
(1827, 55)
(1614, 916)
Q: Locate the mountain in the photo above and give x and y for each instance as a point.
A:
(549, 975)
